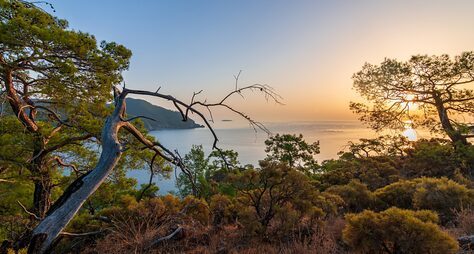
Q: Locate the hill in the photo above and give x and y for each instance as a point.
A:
(165, 118)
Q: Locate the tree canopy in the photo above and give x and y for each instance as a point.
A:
(428, 91)
(292, 150)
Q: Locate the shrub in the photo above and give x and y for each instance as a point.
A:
(431, 158)
(441, 195)
(355, 194)
(276, 190)
(397, 231)
(399, 194)
(196, 209)
(375, 172)
(222, 209)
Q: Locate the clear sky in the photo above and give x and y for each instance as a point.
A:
(306, 50)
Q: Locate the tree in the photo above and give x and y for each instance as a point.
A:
(274, 190)
(374, 172)
(189, 182)
(44, 63)
(441, 88)
(202, 173)
(57, 83)
(436, 158)
(115, 127)
(397, 231)
(292, 150)
(381, 146)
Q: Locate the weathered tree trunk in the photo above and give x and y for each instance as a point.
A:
(452, 133)
(64, 209)
(42, 180)
(42, 196)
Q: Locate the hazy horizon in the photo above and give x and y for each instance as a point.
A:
(306, 50)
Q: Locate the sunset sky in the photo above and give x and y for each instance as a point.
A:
(306, 50)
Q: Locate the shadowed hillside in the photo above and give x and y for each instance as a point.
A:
(165, 119)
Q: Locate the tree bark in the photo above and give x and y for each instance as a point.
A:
(64, 209)
(16, 104)
(42, 196)
(42, 180)
(452, 133)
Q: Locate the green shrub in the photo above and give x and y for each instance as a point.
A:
(438, 194)
(355, 194)
(397, 231)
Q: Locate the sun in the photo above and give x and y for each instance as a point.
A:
(409, 100)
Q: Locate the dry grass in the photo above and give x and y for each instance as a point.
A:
(231, 239)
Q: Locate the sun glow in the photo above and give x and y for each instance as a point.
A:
(409, 132)
(409, 100)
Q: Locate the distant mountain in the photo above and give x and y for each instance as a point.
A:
(165, 118)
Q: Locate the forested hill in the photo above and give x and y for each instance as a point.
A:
(165, 118)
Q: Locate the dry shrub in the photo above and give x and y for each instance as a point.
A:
(135, 227)
(138, 224)
(326, 239)
(14, 226)
(464, 223)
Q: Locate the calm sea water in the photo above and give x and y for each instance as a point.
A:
(333, 137)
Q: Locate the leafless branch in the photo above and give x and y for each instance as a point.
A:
(83, 234)
(72, 166)
(236, 77)
(28, 212)
(136, 117)
(150, 181)
(154, 243)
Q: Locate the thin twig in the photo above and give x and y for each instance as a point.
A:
(28, 212)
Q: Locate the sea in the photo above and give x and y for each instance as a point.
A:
(333, 137)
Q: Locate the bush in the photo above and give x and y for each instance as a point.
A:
(436, 158)
(222, 210)
(441, 195)
(399, 194)
(375, 172)
(355, 194)
(267, 195)
(397, 231)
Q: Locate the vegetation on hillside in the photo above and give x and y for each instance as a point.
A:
(65, 152)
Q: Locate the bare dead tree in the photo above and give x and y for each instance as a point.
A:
(64, 209)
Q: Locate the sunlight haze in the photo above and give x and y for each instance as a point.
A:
(307, 51)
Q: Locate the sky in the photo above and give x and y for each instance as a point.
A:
(306, 50)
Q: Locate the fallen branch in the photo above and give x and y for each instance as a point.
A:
(176, 234)
(83, 234)
(466, 242)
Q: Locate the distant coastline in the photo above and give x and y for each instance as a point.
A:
(165, 119)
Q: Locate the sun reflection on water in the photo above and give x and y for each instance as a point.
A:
(409, 132)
